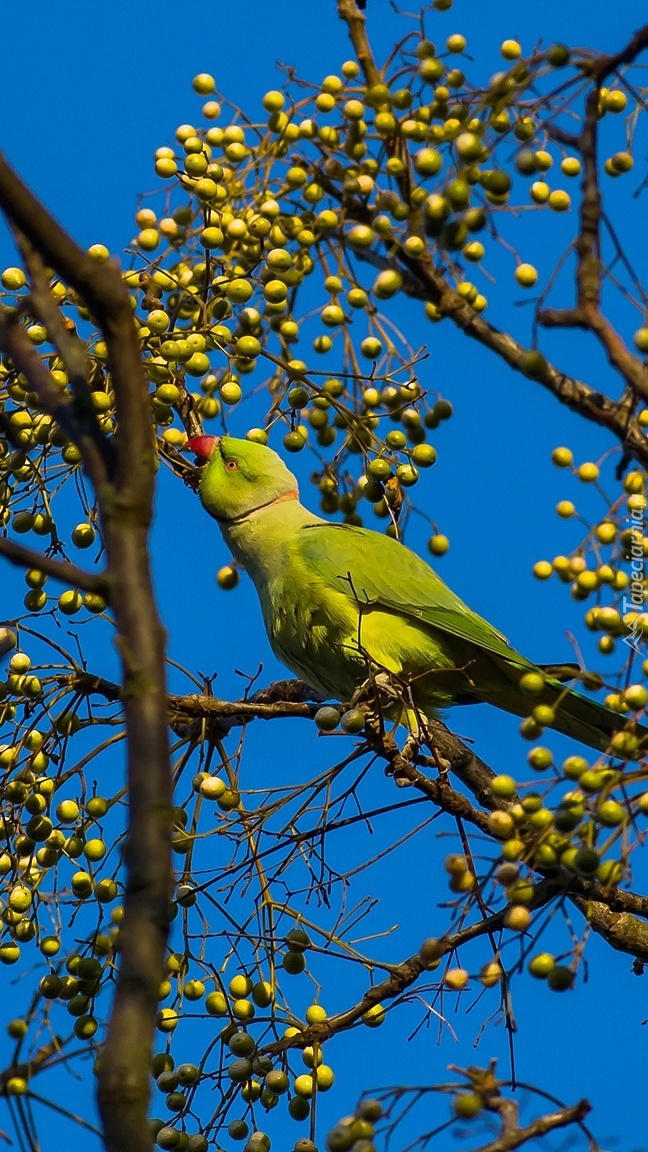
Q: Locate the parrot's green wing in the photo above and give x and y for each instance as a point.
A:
(378, 571)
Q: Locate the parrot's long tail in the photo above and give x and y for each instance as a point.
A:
(578, 716)
(594, 724)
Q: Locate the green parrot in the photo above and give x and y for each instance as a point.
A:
(343, 604)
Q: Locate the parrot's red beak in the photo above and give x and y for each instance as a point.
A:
(202, 446)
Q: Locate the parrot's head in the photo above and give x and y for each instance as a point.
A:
(239, 476)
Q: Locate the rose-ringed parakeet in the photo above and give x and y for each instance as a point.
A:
(343, 604)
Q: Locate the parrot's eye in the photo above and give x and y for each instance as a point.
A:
(231, 465)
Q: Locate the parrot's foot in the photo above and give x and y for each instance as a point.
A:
(411, 751)
(383, 695)
(378, 694)
(412, 746)
(385, 687)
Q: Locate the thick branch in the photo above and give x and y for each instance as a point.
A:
(588, 272)
(238, 711)
(621, 930)
(357, 26)
(464, 763)
(606, 65)
(194, 706)
(125, 504)
(587, 316)
(438, 789)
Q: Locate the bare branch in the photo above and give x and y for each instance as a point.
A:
(26, 358)
(402, 977)
(87, 435)
(356, 23)
(587, 312)
(605, 65)
(621, 930)
(62, 570)
(125, 504)
(512, 1136)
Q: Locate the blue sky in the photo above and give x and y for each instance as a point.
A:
(88, 95)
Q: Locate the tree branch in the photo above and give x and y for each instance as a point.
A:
(58, 405)
(357, 27)
(62, 570)
(124, 495)
(604, 66)
(587, 312)
(575, 394)
(513, 1136)
(401, 977)
(623, 931)
(86, 433)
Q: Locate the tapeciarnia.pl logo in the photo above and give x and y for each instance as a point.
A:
(634, 604)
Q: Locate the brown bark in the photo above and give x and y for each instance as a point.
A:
(122, 471)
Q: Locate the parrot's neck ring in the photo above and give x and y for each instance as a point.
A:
(293, 494)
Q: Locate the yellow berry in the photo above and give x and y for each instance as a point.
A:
(273, 101)
(374, 1016)
(615, 101)
(438, 544)
(560, 201)
(490, 974)
(588, 473)
(526, 275)
(456, 979)
(456, 43)
(203, 84)
(517, 917)
(539, 192)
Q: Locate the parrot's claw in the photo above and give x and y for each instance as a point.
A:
(379, 690)
(412, 750)
(411, 747)
(383, 683)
